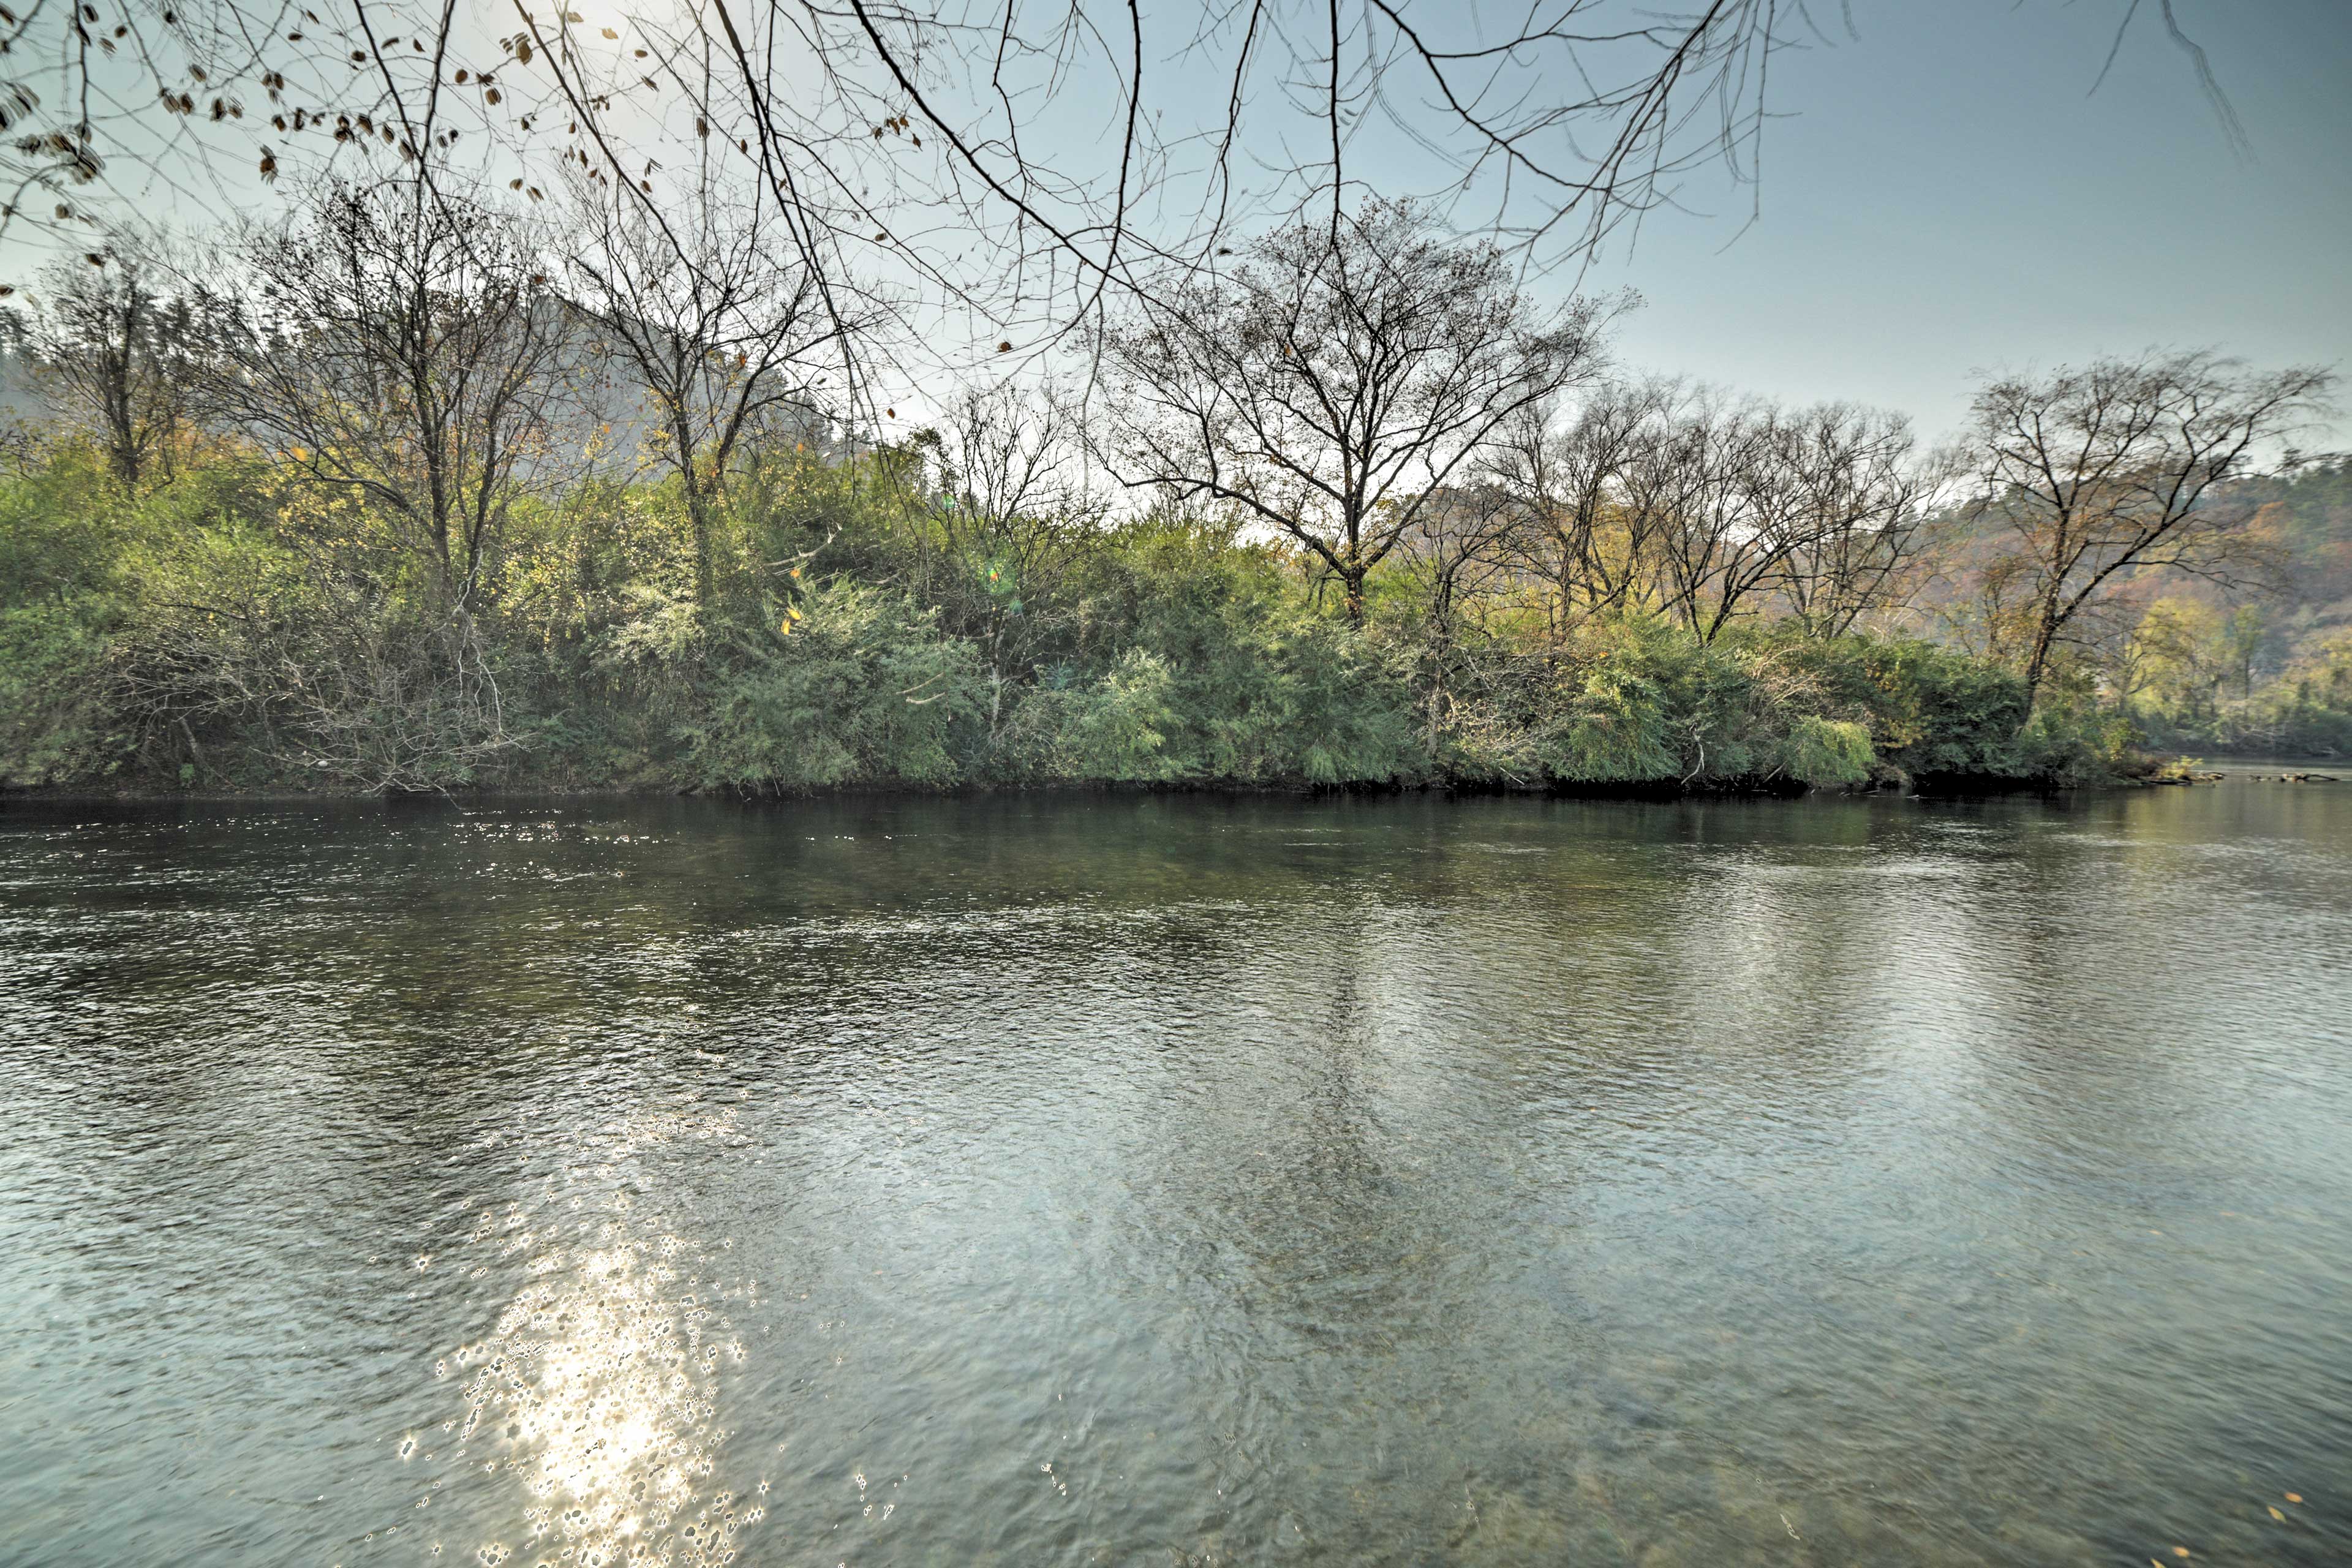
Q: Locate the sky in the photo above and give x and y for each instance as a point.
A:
(1943, 195)
(1949, 197)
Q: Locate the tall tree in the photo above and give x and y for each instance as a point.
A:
(1010, 525)
(1845, 492)
(1690, 488)
(2118, 467)
(407, 347)
(1337, 379)
(401, 355)
(123, 341)
(715, 328)
(1571, 525)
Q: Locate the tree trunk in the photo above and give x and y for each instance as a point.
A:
(2036, 667)
(698, 518)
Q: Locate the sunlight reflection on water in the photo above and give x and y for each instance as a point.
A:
(594, 1398)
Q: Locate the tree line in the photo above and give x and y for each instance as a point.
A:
(401, 490)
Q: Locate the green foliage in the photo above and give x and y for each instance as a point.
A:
(2073, 742)
(1636, 701)
(1259, 688)
(1930, 712)
(229, 630)
(860, 689)
(1120, 728)
(54, 717)
(1825, 751)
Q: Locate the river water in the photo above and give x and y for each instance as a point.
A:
(1180, 1181)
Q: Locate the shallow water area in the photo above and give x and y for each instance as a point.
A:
(1155, 1179)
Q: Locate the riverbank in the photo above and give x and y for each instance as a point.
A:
(201, 638)
(2150, 773)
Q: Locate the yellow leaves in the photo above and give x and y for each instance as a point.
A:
(300, 454)
(2294, 1497)
(610, 34)
(2277, 1515)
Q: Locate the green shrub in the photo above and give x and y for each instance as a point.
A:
(860, 690)
(1825, 751)
(54, 725)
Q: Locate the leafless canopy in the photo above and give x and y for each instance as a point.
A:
(2110, 468)
(1017, 168)
(122, 345)
(399, 345)
(1336, 381)
(717, 332)
(1660, 497)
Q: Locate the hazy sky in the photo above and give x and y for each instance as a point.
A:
(1945, 195)
(1948, 195)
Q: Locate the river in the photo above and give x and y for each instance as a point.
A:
(1180, 1180)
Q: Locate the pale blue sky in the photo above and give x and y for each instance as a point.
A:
(1943, 195)
(1948, 195)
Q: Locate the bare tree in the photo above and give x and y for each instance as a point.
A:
(1572, 525)
(1708, 510)
(1336, 379)
(2112, 469)
(401, 357)
(719, 332)
(1457, 554)
(1845, 492)
(935, 135)
(123, 341)
(1693, 481)
(397, 345)
(1012, 522)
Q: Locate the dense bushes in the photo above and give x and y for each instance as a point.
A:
(853, 685)
(229, 633)
(2304, 710)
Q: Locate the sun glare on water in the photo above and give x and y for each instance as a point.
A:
(595, 1393)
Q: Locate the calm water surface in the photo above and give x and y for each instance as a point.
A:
(1167, 1181)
